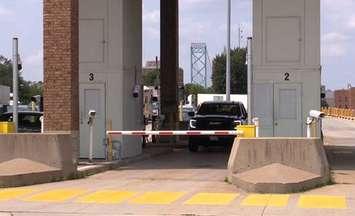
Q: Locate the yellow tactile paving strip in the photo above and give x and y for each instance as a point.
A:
(13, 193)
(113, 197)
(57, 195)
(273, 200)
(107, 197)
(212, 199)
(322, 202)
(158, 198)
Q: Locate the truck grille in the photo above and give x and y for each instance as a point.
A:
(215, 124)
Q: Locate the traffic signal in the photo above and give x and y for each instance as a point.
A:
(19, 63)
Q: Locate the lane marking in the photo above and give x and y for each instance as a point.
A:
(322, 201)
(272, 200)
(158, 198)
(13, 193)
(212, 199)
(57, 195)
(107, 197)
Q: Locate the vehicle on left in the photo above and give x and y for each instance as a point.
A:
(28, 121)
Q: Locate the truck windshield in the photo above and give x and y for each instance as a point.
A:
(219, 109)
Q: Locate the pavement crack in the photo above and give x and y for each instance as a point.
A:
(267, 204)
(263, 212)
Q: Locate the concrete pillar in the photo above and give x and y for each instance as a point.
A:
(61, 66)
(286, 65)
(169, 55)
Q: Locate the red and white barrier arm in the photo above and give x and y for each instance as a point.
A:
(176, 133)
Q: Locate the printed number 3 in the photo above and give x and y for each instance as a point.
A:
(91, 77)
(287, 76)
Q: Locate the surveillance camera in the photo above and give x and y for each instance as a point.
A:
(92, 113)
(316, 114)
(136, 91)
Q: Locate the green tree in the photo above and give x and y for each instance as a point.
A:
(151, 78)
(5, 71)
(238, 72)
(194, 89)
(27, 89)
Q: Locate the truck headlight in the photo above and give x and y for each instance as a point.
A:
(155, 112)
(237, 123)
(193, 123)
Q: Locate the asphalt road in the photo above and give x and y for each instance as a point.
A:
(339, 140)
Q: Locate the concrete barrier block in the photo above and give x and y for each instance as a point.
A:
(278, 165)
(47, 156)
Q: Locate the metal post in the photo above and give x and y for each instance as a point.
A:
(239, 37)
(205, 50)
(315, 127)
(250, 79)
(91, 142)
(109, 142)
(309, 127)
(91, 123)
(41, 119)
(15, 83)
(157, 68)
(192, 66)
(256, 122)
(228, 64)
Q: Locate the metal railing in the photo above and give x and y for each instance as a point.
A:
(340, 113)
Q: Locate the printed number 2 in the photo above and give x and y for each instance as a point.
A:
(91, 77)
(287, 76)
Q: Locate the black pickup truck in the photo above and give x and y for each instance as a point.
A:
(216, 116)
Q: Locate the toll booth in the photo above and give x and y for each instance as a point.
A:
(286, 65)
(110, 62)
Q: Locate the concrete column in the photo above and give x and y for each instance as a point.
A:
(61, 66)
(169, 55)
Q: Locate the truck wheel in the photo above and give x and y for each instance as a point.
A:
(193, 147)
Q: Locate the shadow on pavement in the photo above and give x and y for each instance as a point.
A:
(342, 163)
(341, 157)
(181, 158)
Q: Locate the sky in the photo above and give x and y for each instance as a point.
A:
(200, 21)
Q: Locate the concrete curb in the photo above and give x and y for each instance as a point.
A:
(30, 178)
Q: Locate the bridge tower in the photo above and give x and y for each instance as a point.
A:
(199, 64)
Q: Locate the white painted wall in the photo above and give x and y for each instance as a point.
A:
(111, 49)
(286, 39)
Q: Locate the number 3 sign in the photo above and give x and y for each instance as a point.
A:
(91, 77)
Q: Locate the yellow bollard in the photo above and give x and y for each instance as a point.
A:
(249, 131)
(7, 127)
